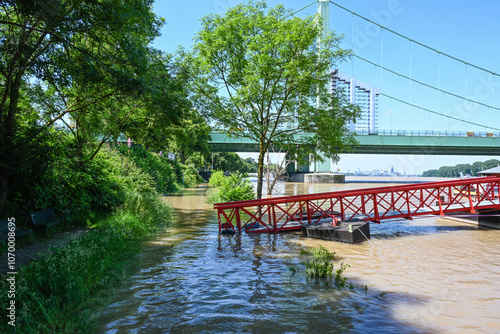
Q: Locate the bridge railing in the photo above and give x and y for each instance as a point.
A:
(373, 204)
(428, 133)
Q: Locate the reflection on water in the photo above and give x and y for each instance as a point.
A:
(428, 275)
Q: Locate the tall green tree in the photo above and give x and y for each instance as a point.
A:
(66, 57)
(261, 73)
(165, 106)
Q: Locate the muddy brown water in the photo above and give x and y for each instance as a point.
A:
(427, 275)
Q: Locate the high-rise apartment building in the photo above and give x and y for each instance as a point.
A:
(361, 94)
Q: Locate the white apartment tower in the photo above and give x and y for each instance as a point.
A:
(361, 94)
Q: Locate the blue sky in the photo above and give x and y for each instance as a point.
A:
(464, 29)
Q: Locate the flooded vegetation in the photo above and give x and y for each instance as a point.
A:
(428, 275)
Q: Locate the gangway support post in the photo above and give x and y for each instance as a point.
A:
(441, 213)
(472, 210)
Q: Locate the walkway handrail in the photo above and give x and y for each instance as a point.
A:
(353, 192)
(288, 213)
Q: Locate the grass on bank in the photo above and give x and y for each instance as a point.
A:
(60, 293)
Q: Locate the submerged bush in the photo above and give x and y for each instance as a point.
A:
(232, 188)
(320, 266)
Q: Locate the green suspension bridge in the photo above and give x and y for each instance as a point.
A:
(459, 119)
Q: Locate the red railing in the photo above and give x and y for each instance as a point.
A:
(373, 204)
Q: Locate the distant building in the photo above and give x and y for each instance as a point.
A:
(361, 94)
(495, 171)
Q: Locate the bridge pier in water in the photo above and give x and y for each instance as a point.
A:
(490, 218)
(482, 218)
(321, 172)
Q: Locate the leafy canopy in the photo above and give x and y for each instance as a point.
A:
(261, 73)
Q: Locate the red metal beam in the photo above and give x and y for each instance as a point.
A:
(372, 204)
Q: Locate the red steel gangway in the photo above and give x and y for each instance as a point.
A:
(372, 204)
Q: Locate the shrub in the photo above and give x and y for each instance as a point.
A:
(232, 188)
(161, 171)
(140, 215)
(216, 179)
(36, 149)
(236, 188)
(167, 175)
(321, 266)
(92, 187)
(191, 177)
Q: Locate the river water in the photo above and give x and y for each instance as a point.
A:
(427, 275)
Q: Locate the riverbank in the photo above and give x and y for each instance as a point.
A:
(55, 284)
(59, 291)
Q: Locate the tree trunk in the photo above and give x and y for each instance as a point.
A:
(260, 175)
(268, 175)
(7, 140)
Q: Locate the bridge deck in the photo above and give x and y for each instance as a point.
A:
(386, 144)
(372, 204)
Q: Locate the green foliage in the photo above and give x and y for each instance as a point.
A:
(232, 162)
(236, 188)
(96, 186)
(55, 290)
(449, 171)
(341, 281)
(321, 267)
(159, 168)
(35, 150)
(99, 185)
(217, 179)
(57, 293)
(190, 176)
(166, 119)
(190, 135)
(273, 69)
(87, 67)
(140, 215)
(232, 188)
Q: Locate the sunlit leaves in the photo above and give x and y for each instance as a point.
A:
(260, 73)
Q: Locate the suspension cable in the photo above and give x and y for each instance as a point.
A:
(413, 41)
(437, 113)
(424, 84)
